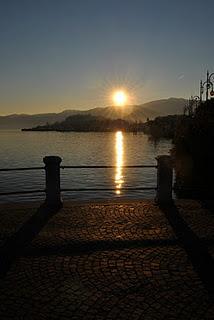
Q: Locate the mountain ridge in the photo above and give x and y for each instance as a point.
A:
(140, 112)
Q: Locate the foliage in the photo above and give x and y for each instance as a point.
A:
(87, 123)
(163, 127)
(193, 153)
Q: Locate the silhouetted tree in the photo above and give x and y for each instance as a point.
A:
(193, 153)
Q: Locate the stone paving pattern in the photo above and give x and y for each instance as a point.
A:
(199, 219)
(109, 261)
(88, 223)
(12, 219)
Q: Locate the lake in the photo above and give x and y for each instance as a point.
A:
(27, 149)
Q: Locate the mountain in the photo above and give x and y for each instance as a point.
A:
(131, 113)
(158, 108)
(87, 123)
(18, 121)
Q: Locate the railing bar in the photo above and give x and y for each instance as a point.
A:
(80, 189)
(20, 192)
(193, 188)
(110, 189)
(22, 169)
(106, 167)
(77, 167)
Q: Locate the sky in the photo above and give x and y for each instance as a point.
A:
(73, 54)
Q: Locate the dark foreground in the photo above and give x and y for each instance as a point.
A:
(130, 260)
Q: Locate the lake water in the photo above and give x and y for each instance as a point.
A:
(27, 149)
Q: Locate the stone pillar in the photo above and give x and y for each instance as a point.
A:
(52, 170)
(164, 179)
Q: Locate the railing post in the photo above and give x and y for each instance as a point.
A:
(164, 179)
(52, 170)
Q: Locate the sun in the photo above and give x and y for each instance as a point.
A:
(119, 98)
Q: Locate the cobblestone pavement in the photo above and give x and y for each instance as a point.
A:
(109, 261)
(12, 219)
(199, 219)
(89, 223)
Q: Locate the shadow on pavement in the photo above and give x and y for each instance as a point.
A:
(195, 248)
(15, 244)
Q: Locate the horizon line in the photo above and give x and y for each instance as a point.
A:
(90, 108)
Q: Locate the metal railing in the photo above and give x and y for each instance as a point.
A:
(21, 169)
(106, 167)
(23, 191)
(53, 189)
(107, 189)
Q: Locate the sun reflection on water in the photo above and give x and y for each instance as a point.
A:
(119, 161)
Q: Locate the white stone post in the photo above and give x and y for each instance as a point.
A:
(52, 170)
(164, 179)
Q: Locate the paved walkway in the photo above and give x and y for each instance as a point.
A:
(130, 260)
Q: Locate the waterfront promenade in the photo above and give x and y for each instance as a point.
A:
(110, 260)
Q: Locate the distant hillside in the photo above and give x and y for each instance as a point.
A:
(164, 127)
(130, 113)
(18, 121)
(158, 108)
(87, 123)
